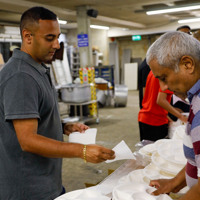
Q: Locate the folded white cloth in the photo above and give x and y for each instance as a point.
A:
(88, 137)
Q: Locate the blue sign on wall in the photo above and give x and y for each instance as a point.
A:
(82, 40)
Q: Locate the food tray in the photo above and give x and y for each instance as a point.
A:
(172, 151)
(152, 172)
(166, 166)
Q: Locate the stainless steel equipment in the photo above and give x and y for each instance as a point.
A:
(101, 97)
(120, 95)
(75, 93)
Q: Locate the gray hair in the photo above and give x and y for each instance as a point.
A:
(170, 47)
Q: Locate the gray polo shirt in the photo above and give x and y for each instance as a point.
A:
(26, 92)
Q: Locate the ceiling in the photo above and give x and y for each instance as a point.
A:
(129, 16)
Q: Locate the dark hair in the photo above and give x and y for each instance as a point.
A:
(34, 14)
(184, 26)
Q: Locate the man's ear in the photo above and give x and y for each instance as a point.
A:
(27, 36)
(187, 63)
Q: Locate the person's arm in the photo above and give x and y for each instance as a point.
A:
(31, 141)
(162, 101)
(193, 193)
(169, 185)
(169, 119)
(175, 185)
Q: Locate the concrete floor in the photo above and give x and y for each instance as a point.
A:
(116, 124)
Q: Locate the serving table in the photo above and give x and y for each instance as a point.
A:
(106, 186)
(132, 177)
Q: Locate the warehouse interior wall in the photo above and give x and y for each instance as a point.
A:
(138, 48)
(99, 41)
(71, 36)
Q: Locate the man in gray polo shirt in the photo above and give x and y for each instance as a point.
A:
(31, 141)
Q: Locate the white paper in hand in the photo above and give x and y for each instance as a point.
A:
(88, 137)
(122, 151)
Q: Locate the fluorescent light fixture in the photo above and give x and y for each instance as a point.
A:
(125, 29)
(188, 20)
(99, 27)
(170, 10)
(62, 21)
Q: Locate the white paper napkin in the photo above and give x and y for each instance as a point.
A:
(88, 137)
(122, 151)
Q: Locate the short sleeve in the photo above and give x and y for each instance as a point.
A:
(21, 97)
(195, 136)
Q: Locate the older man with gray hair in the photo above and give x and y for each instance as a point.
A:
(175, 60)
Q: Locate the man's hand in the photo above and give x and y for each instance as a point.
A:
(97, 154)
(74, 127)
(165, 186)
(183, 118)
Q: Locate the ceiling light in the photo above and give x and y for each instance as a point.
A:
(189, 20)
(99, 27)
(125, 29)
(62, 21)
(170, 10)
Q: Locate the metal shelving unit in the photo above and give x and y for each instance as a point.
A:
(82, 118)
(74, 61)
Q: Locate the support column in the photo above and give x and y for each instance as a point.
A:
(83, 21)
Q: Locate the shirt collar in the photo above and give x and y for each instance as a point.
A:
(195, 89)
(41, 68)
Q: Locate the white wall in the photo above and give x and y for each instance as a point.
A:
(131, 76)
